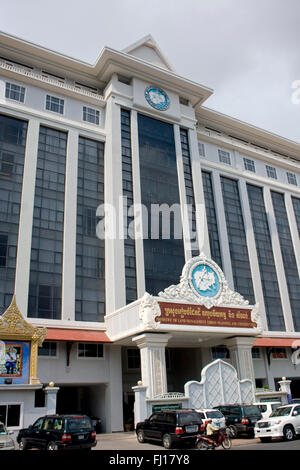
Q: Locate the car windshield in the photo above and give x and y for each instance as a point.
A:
(78, 423)
(214, 414)
(251, 411)
(189, 418)
(282, 411)
(2, 429)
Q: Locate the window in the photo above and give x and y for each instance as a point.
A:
(39, 398)
(6, 164)
(3, 249)
(55, 104)
(10, 415)
(224, 157)
(15, 92)
(279, 353)
(201, 149)
(49, 349)
(133, 359)
(249, 165)
(271, 172)
(90, 350)
(255, 353)
(291, 177)
(91, 115)
(220, 352)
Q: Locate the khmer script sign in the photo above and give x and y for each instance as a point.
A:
(199, 315)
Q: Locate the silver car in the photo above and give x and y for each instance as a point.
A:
(6, 442)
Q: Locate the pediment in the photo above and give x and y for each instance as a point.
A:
(148, 50)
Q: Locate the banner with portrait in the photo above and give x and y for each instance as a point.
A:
(14, 361)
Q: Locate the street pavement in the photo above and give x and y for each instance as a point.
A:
(127, 441)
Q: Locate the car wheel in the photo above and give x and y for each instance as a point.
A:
(233, 431)
(140, 436)
(288, 433)
(266, 439)
(23, 444)
(51, 446)
(167, 441)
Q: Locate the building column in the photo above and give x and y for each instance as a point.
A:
(70, 230)
(114, 243)
(26, 216)
(153, 362)
(241, 356)
(114, 391)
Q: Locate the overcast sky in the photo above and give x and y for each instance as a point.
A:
(248, 51)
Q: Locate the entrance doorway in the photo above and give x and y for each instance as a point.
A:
(83, 399)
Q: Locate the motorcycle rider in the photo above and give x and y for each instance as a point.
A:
(212, 431)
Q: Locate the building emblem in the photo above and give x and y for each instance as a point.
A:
(157, 98)
(205, 281)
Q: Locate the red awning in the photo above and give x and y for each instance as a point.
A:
(88, 336)
(277, 342)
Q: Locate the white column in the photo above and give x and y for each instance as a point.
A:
(252, 253)
(153, 362)
(293, 227)
(51, 399)
(114, 391)
(137, 199)
(70, 219)
(186, 229)
(114, 246)
(201, 221)
(241, 356)
(222, 228)
(26, 216)
(284, 293)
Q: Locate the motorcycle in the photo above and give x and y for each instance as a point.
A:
(208, 443)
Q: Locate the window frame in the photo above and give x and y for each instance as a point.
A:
(91, 358)
(292, 178)
(279, 358)
(249, 164)
(271, 169)
(21, 416)
(20, 92)
(86, 112)
(127, 358)
(51, 110)
(50, 357)
(224, 155)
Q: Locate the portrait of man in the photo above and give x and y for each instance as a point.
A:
(11, 361)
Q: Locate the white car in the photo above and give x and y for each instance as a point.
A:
(284, 422)
(268, 407)
(218, 419)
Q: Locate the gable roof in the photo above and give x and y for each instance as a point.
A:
(147, 49)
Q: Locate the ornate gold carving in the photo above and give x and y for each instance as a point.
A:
(14, 326)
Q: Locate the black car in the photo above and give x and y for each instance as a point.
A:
(170, 427)
(240, 419)
(59, 432)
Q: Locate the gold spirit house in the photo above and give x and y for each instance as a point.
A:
(202, 311)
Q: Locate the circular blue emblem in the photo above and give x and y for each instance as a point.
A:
(157, 98)
(205, 281)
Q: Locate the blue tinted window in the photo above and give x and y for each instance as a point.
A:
(266, 259)
(164, 258)
(12, 151)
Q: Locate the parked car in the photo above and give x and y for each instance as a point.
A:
(6, 442)
(268, 407)
(170, 427)
(283, 422)
(58, 432)
(240, 419)
(218, 419)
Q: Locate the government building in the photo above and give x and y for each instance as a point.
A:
(111, 147)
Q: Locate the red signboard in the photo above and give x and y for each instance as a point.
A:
(199, 315)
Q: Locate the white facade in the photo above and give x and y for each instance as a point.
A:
(118, 81)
